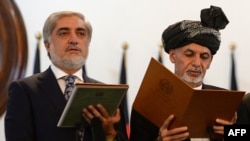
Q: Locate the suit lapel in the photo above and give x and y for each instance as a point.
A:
(52, 90)
(88, 79)
(205, 86)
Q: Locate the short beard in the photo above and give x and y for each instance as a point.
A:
(192, 80)
(74, 62)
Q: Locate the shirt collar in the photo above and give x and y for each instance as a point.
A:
(60, 73)
(198, 88)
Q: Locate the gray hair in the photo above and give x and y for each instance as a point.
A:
(50, 23)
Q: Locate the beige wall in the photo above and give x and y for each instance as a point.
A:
(140, 23)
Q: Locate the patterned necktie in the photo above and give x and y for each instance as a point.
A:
(69, 80)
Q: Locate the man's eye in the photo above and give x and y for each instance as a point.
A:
(62, 33)
(189, 54)
(205, 56)
(81, 33)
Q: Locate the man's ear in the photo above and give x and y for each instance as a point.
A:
(47, 45)
(172, 55)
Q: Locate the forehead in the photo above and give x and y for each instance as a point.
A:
(70, 22)
(195, 48)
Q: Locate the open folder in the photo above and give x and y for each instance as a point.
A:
(85, 94)
(163, 93)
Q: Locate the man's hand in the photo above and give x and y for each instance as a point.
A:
(108, 121)
(219, 129)
(175, 134)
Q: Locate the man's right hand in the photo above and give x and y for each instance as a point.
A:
(175, 134)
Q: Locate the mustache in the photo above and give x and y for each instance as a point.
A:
(73, 47)
(198, 69)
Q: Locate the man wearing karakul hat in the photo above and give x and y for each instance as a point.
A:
(191, 46)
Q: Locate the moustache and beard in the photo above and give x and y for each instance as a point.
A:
(69, 62)
(193, 79)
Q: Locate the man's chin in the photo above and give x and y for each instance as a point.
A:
(193, 80)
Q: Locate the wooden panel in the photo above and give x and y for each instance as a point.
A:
(13, 48)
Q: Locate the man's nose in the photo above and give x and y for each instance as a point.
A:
(196, 61)
(73, 39)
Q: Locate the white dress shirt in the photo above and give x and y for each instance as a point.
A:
(59, 74)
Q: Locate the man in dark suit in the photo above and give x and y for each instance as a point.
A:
(243, 113)
(191, 46)
(36, 103)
